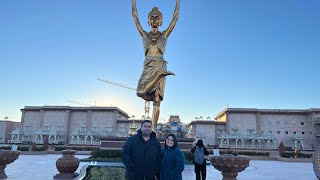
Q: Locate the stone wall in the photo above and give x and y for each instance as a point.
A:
(31, 122)
(285, 126)
(103, 121)
(78, 122)
(6, 127)
(241, 123)
(206, 130)
(66, 121)
(3, 127)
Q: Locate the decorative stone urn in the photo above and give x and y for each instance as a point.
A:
(316, 162)
(7, 157)
(67, 165)
(230, 165)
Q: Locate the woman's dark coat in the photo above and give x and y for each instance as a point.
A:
(172, 163)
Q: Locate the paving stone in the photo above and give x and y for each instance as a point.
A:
(42, 167)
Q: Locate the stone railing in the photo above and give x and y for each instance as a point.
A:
(249, 146)
(51, 142)
(14, 141)
(308, 148)
(38, 142)
(83, 142)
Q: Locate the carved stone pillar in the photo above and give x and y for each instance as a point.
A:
(67, 124)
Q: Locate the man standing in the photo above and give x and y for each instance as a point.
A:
(141, 154)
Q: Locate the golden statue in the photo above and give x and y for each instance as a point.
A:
(152, 81)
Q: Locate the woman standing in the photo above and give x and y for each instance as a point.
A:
(199, 151)
(172, 160)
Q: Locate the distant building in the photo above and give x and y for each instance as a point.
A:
(6, 127)
(70, 125)
(233, 127)
(207, 130)
(76, 125)
(260, 128)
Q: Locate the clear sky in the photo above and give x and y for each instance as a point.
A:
(225, 53)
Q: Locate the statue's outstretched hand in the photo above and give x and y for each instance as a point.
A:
(165, 73)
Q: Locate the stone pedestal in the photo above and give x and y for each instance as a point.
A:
(7, 157)
(230, 165)
(67, 165)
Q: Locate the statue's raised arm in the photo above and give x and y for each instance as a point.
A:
(152, 80)
(136, 18)
(174, 20)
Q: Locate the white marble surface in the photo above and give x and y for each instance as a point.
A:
(42, 167)
(262, 170)
(36, 167)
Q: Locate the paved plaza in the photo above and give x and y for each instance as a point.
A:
(42, 167)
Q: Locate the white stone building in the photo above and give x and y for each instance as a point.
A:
(70, 125)
(260, 128)
(207, 130)
(233, 127)
(6, 127)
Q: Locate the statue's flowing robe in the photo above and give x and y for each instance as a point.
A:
(151, 66)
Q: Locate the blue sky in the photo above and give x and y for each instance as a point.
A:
(240, 54)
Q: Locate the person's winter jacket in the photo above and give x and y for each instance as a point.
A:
(172, 163)
(141, 158)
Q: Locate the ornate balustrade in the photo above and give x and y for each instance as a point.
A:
(84, 142)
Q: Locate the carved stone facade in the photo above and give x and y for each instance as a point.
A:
(207, 130)
(233, 127)
(70, 125)
(260, 128)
